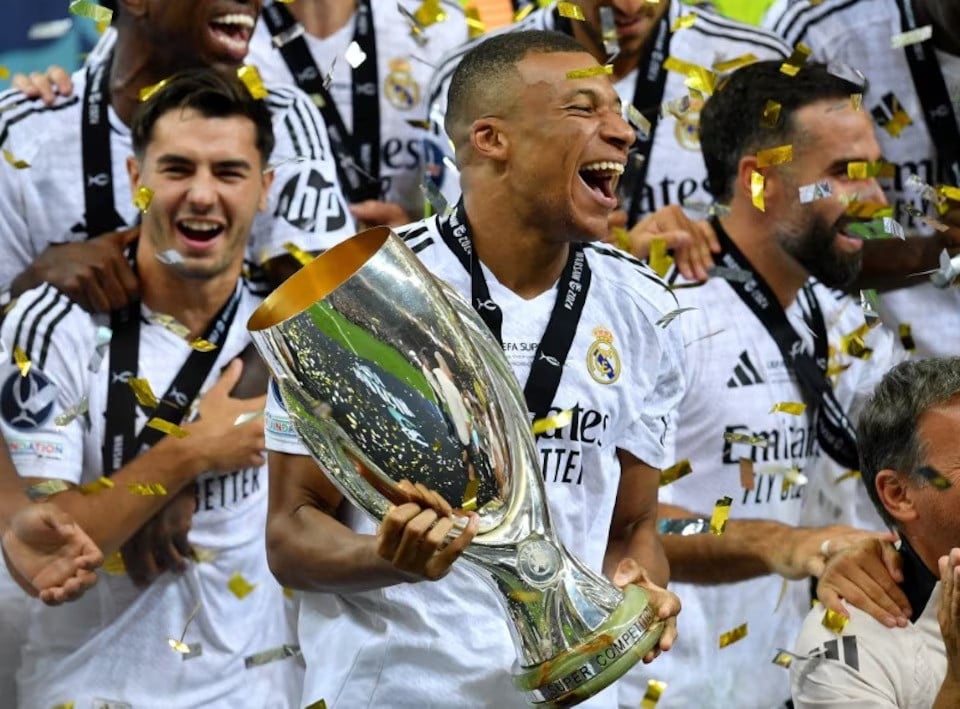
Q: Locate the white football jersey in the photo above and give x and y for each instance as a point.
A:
(736, 373)
(676, 171)
(111, 645)
(858, 34)
(44, 204)
(414, 645)
(404, 69)
(869, 664)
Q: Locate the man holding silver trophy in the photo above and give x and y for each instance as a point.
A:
(406, 396)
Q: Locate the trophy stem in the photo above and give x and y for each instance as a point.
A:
(582, 671)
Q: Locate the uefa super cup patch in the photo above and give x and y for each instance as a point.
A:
(26, 402)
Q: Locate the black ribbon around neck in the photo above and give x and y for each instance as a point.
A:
(835, 432)
(357, 151)
(101, 212)
(547, 368)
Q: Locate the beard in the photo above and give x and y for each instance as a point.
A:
(813, 247)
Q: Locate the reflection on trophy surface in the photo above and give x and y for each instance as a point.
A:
(389, 375)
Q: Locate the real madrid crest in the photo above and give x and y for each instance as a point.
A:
(603, 360)
(400, 88)
(688, 125)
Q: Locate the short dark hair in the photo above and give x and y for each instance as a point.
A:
(730, 126)
(210, 93)
(482, 69)
(887, 427)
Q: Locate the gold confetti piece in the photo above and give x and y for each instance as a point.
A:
(854, 345)
(202, 555)
(201, 345)
(735, 63)
(429, 13)
(849, 475)
(436, 200)
(91, 10)
(166, 427)
(915, 36)
(789, 407)
(143, 199)
(559, 420)
(46, 488)
(797, 59)
(783, 658)
(147, 91)
(748, 438)
(114, 565)
(906, 337)
(757, 185)
(179, 646)
(698, 77)
(860, 170)
(856, 102)
(621, 238)
(250, 76)
(675, 472)
(721, 513)
(834, 622)
(522, 596)
(948, 192)
(469, 502)
(64, 705)
(655, 688)
(792, 476)
(4, 73)
(475, 25)
(92, 488)
(14, 162)
(683, 22)
(322, 704)
(868, 210)
(732, 636)
(570, 10)
(271, 655)
(775, 156)
(73, 412)
(523, 12)
(770, 118)
(239, 586)
(170, 323)
(934, 477)
(659, 260)
(23, 362)
(288, 593)
(302, 257)
(147, 489)
(747, 478)
(637, 120)
(590, 71)
(143, 392)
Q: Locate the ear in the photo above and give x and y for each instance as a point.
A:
(266, 181)
(133, 170)
(773, 186)
(489, 139)
(896, 495)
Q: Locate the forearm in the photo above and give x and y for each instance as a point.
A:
(112, 515)
(309, 550)
(889, 263)
(742, 552)
(12, 494)
(643, 545)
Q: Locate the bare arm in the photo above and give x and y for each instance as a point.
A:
(749, 548)
(633, 529)
(309, 549)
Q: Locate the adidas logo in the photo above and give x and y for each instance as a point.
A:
(744, 374)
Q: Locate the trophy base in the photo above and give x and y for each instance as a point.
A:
(602, 658)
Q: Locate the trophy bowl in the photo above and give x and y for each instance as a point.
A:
(389, 375)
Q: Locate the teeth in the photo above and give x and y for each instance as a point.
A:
(236, 19)
(603, 166)
(199, 226)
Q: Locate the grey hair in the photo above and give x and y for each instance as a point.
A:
(887, 427)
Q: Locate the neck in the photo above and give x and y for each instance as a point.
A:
(784, 275)
(321, 18)
(135, 66)
(191, 301)
(517, 253)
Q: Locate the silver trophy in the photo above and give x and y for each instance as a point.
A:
(389, 375)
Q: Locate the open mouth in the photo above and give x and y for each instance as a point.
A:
(624, 22)
(232, 32)
(601, 179)
(199, 233)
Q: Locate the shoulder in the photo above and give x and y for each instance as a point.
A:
(712, 31)
(421, 235)
(629, 277)
(805, 20)
(25, 120)
(44, 319)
